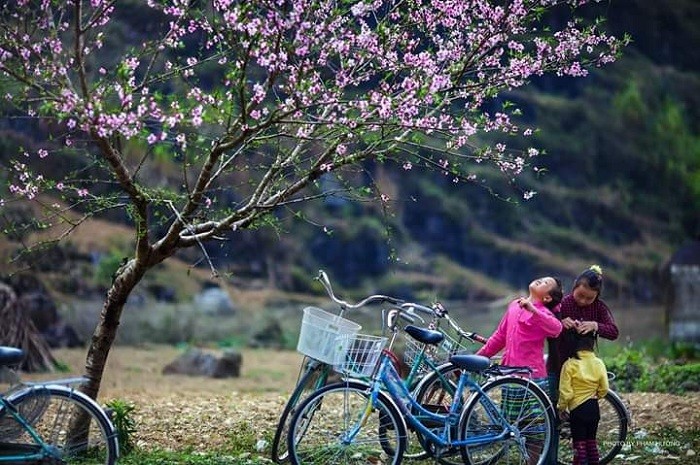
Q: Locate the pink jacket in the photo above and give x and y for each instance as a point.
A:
(523, 333)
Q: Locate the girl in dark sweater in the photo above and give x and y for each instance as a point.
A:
(582, 312)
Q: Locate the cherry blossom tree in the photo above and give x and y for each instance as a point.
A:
(259, 101)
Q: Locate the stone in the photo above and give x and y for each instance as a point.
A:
(198, 362)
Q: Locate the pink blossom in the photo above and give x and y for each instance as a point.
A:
(292, 84)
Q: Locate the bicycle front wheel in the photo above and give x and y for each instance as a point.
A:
(611, 435)
(526, 409)
(314, 377)
(340, 424)
(73, 426)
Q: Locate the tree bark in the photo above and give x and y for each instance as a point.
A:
(126, 278)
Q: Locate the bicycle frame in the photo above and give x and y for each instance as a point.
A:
(389, 379)
(452, 417)
(45, 450)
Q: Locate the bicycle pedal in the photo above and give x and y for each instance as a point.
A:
(442, 452)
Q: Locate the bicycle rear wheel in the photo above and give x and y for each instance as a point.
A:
(525, 406)
(612, 431)
(76, 429)
(314, 377)
(339, 424)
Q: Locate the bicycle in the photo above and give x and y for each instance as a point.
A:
(316, 367)
(614, 416)
(36, 419)
(436, 389)
(360, 420)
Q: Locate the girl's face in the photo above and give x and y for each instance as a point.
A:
(541, 287)
(584, 295)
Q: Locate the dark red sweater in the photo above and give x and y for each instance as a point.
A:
(563, 347)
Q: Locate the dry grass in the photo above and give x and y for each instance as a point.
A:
(137, 371)
(177, 412)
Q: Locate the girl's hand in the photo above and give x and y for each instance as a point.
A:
(568, 323)
(586, 327)
(526, 304)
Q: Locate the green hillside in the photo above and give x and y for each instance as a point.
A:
(621, 187)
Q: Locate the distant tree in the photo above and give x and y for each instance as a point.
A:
(258, 102)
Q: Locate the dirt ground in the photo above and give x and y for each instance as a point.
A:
(175, 411)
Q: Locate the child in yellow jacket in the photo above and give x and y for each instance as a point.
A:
(584, 380)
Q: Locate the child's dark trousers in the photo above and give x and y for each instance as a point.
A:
(584, 425)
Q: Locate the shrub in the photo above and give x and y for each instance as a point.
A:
(635, 370)
(671, 377)
(629, 365)
(684, 350)
(123, 420)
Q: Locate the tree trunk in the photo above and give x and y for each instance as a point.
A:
(127, 277)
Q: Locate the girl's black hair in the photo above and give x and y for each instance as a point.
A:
(556, 294)
(585, 342)
(592, 277)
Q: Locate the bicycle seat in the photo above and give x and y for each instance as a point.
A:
(10, 355)
(470, 362)
(505, 370)
(424, 335)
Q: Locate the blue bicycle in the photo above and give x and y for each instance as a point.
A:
(508, 420)
(51, 423)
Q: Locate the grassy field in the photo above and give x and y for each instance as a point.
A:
(189, 418)
(137, 371)
(184, 415)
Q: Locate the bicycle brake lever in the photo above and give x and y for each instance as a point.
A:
(439, 309)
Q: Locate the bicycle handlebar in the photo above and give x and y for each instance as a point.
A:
(407, 309)
(410, 307)
(376, 298)
(472, 336)
(440, 312)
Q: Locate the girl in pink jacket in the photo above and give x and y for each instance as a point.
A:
(525, 327)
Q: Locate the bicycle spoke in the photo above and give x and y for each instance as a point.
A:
(526, 437)
(335, 426)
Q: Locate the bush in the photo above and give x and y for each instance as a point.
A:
(629, 366)
(671, 377)
(684, 351)
(636, 371)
